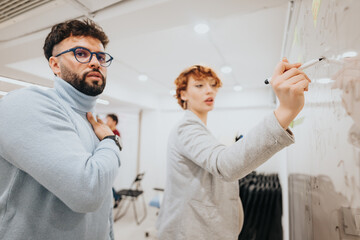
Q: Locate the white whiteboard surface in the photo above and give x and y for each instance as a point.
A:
(324, 163)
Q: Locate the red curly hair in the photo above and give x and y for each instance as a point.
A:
(198, 72)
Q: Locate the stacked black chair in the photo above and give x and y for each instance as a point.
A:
(128, 197)
(262, 202)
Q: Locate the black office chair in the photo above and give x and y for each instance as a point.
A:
(129, 196)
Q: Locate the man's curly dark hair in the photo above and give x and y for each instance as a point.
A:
(61, 31)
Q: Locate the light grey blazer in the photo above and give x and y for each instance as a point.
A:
(201, 198)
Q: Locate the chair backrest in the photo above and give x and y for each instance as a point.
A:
(137, 180)
(139, 177)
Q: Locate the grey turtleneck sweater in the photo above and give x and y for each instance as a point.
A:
(55, 175)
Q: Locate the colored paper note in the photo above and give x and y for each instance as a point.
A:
(315, 10)
(296, 37)
(297, 122)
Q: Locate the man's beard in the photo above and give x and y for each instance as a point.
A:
(79, 82)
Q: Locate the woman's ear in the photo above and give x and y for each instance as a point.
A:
(183, 95)
(54, 65)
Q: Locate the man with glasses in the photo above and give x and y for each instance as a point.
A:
(57, 163)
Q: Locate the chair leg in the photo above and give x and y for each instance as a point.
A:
(138, 222)
(121, 206)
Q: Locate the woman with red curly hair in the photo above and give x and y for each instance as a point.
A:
(201, 198)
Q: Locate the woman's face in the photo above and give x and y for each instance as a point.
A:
(200, 95)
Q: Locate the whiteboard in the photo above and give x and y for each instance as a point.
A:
(324, 163)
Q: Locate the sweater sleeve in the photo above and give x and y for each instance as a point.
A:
(37, 136)
(236, 161)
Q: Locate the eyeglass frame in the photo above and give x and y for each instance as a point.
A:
(91, 55)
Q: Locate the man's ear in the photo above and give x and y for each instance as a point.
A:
(55, 65)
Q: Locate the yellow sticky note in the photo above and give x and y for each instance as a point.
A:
(296, 122)
(296, 36)
(315, 10)
(300, 58)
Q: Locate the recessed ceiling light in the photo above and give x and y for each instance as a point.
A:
(102, 101)
(238, 88)
(172, 92)
(324, 80)
(226, 69)
(201, 28)
(143, 78)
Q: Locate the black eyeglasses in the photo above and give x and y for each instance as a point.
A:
(84, 55)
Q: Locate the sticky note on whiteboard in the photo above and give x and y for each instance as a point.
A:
(296, 122)
(315, 10)
(296, 37)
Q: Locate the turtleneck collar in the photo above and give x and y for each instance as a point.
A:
(76, 99)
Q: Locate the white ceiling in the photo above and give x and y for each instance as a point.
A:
(155, 38)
